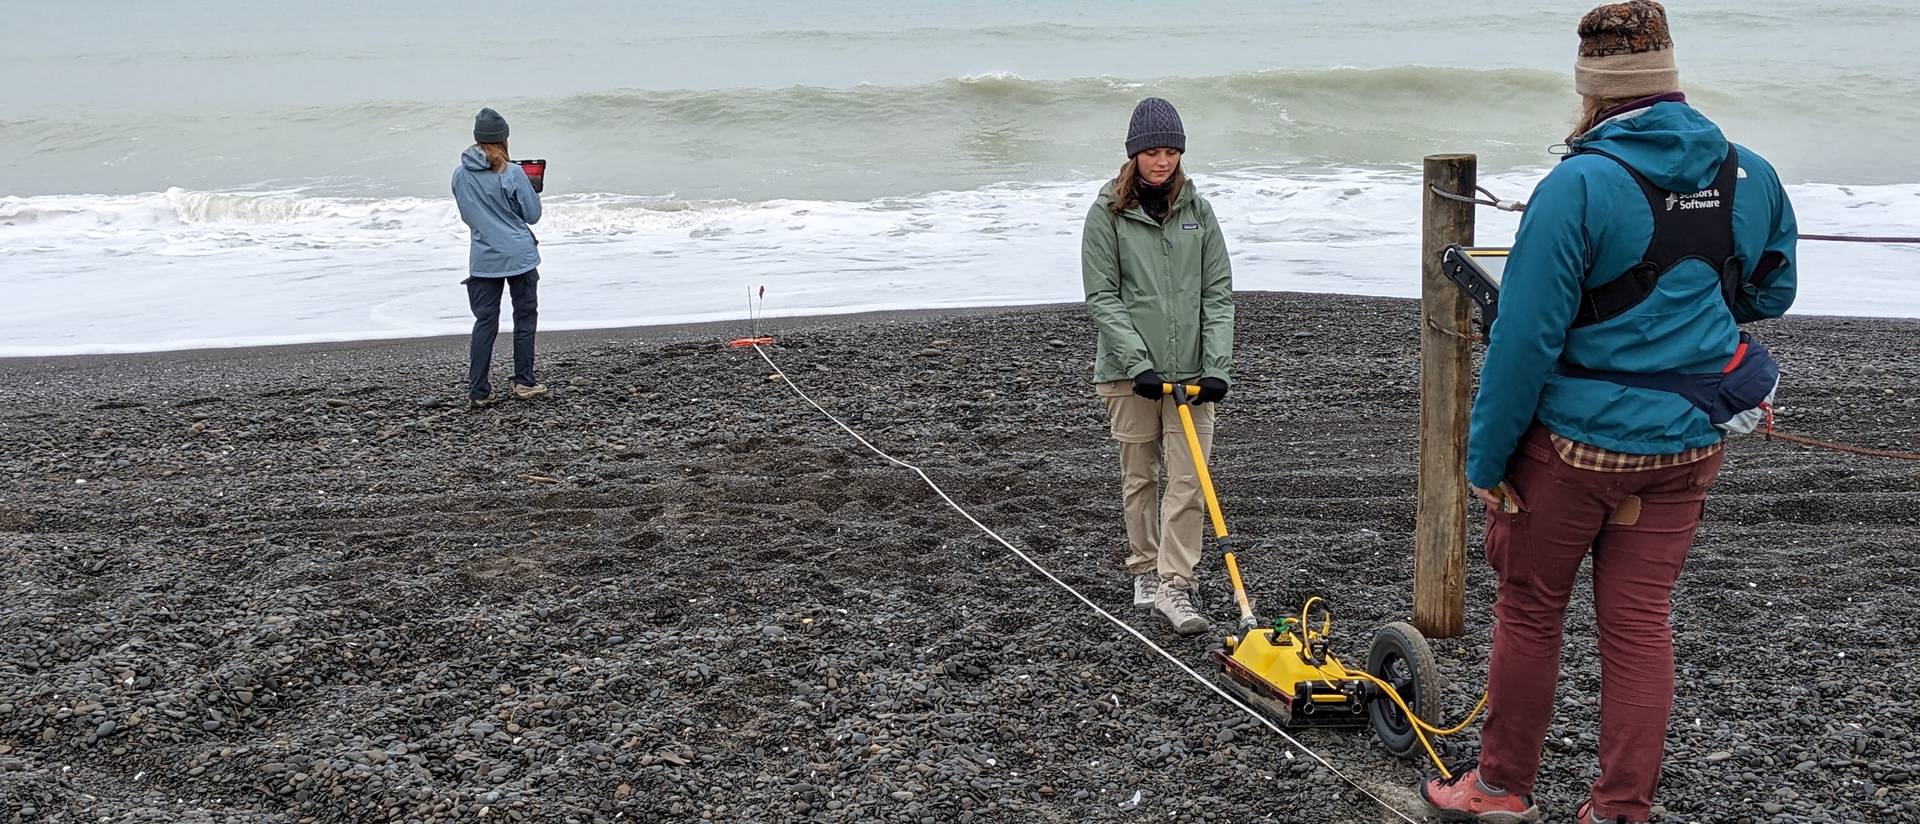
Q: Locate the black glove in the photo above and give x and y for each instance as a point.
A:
(1212, 390)
(1149, 385)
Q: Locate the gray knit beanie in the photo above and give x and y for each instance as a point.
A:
(1155, 125)
(489, 127)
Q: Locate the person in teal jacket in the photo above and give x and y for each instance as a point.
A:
(1572, 451)
(1584, 225)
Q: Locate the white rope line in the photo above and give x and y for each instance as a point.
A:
(1203, 680)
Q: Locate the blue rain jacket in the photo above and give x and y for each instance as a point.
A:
(1587, 223)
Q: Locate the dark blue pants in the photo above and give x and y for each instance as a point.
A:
(483, 294)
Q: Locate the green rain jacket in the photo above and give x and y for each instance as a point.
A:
(1161, 294)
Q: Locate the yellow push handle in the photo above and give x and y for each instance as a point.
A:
(1185, 403)
(1200, 464)
(1199, 458)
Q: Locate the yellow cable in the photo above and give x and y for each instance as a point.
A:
(1417, 723)
(1326, 626)
(1307, 635)
(1421, 727)
(1421, 723)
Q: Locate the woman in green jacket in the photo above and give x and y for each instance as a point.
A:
(1161, 294)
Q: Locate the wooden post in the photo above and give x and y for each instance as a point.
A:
(1446, 396)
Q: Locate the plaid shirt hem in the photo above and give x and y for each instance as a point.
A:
(1594, 459)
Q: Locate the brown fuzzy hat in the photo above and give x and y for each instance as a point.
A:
(1625, 51)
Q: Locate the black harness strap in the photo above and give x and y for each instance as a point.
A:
(1696, 226)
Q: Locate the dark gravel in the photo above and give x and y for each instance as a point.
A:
(303, 584)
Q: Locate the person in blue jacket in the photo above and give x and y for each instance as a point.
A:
(499, 206)
(1616, 346)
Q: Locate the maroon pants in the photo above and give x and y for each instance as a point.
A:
(1639, 526)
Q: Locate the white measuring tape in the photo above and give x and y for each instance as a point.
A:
(1203, 680)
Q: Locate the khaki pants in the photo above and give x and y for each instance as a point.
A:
(1162, 535)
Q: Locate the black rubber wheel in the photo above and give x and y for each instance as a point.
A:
(1400, 656)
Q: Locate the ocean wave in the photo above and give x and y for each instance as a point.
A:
(866, 141)
(865, 103)
(1357, 88)
(1271, 204)
(1399, 92)
(290, 265)
(186, 212)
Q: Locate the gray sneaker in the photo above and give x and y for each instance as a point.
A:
(1175, 603)
(1145, 586)
(1588, 816)
(527, 393)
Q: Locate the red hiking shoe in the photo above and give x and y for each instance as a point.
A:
(1464, 798)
